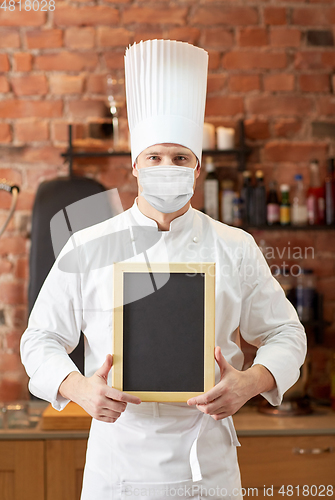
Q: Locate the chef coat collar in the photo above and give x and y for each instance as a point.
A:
(177, 224)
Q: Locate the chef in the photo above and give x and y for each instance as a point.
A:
(162, 450)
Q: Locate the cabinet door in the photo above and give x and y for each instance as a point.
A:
(289, 460)
(65, 460)
(21, 470)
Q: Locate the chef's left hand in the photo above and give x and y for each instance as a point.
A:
(234, 389)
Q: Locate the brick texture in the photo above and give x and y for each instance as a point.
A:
(244, 83)
(230, 15)
(314, 83)
(9, 38)
(285, 37)
(65, 15)
(31, 84)
(66, 61)
(271, 63)
(46, 39)
(79, 38)
(279, 82)
(252, 37)
(147, 15)
(29, 130)
(254, 60)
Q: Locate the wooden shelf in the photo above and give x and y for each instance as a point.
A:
(240, 152)
(289, 228)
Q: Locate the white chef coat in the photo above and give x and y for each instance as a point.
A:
(155, 445)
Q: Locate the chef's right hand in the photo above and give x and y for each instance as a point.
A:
(95, 396)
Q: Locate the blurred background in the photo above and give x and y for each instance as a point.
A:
(271, 66)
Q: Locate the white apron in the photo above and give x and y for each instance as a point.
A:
(161, 451)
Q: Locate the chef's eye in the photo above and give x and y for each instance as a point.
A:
(153, 157)
(181, 158)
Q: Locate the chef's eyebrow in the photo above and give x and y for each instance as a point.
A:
(153, 153)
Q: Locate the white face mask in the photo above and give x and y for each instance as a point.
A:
(167, 188)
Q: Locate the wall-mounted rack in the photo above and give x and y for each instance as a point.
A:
(278, 227)
(241, 152)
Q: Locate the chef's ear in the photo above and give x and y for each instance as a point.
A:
(134, 171)
(197, 170)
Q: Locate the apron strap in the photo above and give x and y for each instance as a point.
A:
(194, 460)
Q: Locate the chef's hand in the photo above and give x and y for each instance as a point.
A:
(95, 396)
(234, 389)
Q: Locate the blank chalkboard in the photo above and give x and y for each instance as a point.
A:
(164, 330)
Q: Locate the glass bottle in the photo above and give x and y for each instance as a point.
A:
(259, 200)
(315, 196)
(285, 212)
(227, 198)
(332, 382)
(246, 198)
(272, 208)
(330, 193)
(305, 293)
(211, 190)
(299, 205)
(237, 219)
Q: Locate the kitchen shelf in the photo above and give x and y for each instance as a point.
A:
(240, 152)
(318, 227)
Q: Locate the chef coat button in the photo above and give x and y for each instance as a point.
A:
(195, 239)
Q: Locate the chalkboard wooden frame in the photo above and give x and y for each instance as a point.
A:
(207, 271)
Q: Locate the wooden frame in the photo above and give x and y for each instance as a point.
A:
(207, 270)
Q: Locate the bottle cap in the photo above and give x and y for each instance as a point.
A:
(284, 187)
(298, 177)
(209, 164)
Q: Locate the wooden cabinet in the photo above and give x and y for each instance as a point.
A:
(42, 469)
(276, 461)
(65, 460)
(276, 451)
(22, 470)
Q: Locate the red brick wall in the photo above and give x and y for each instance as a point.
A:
(271, 63)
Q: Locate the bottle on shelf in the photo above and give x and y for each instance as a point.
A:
(246, 198)
(330, 193)
(285, 211)
(211, 190)
(315, 196)
(299, 206)
(305, 294)
(259, 200)
(237, 216)
(227, 198)
(272, 207)
(332, 381)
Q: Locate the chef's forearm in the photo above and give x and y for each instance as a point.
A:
(70, 387)
(261, 379)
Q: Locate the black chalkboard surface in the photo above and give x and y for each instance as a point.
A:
(164, 330)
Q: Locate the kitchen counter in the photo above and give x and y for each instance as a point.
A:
(248, 422)
(35, 431)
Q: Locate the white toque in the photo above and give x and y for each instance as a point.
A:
(166, 84)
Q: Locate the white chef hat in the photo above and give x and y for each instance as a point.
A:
(166, 83)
